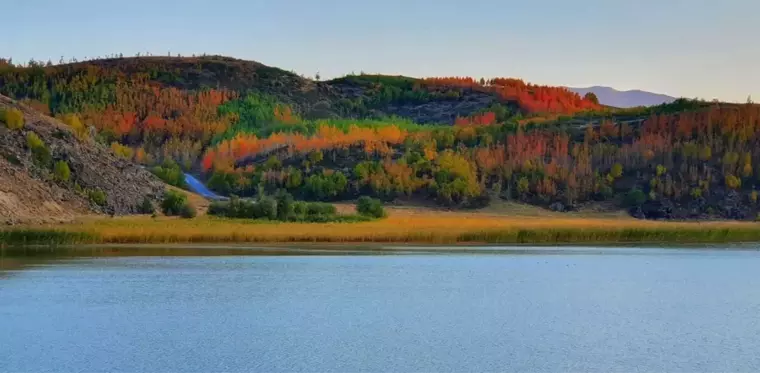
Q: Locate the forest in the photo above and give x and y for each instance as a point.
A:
(248, 130)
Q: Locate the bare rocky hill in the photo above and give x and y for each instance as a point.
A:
(98, 182)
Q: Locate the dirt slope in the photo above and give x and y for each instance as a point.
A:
(29, 192)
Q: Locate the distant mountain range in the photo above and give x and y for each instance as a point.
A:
(623, 99)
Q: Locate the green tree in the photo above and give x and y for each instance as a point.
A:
(635, 197)
(523, 185)
(73, 121)
(171, 174)
(370, 207)
(97, 196)
(616, 171)
(733, 182)
(268, 207)
(223, 183)
(285, 209)
(591, 96)
(176, 204)
(40, 152)
(61, 171)
(13, 118)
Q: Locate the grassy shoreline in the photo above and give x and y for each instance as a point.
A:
(401, 227)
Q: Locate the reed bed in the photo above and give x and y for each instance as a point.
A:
(418, 227)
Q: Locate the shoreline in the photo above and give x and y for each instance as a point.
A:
(205, 250)
(404, 229)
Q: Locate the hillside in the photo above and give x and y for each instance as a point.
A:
(625, 99)
(34, 187)
(249, 129)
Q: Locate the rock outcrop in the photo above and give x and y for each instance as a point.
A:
(99, 182)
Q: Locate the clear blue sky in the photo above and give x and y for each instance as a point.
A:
(693, 48)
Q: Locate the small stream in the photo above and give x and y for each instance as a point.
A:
(196, 186)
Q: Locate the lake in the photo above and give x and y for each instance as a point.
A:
(538, 310)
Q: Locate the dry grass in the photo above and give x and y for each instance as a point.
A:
(406, 225)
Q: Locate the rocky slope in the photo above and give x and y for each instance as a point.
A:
(30, 192)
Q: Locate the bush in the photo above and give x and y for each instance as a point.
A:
(635, 198)
(300, 208)
(282, 208)
(146, 207)
(13, 118)
(122, 151)
(285, 209)
(268, 208)
(320, 208)
(72, 120)
(223, 183)
(174, 204)
(371, 207)
(733, 182)
(171, 174)
(40, 152)
(97, 196)
(187, 211)
(61, 171)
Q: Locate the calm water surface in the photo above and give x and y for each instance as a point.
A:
(583, 310)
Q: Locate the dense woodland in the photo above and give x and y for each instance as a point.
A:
(249, 130)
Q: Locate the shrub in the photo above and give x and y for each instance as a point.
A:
(13, 118)
(11, 158)
(660, 170)
(61, 171)
(78, 189)
(733, 182)
(635, 197)
(122, 151)
(268, 208)
(146, 207)
(34, 141)
(173, 203)
(320, 208)
(187, 211)
(40, 152)
(171, 174)
(696, 193)
(616, 171)
(223, 183)
(371, 207)
(72, 120)
(282, 208)
(97, 196)
(300, 208)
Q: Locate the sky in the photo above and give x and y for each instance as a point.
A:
(686, 48)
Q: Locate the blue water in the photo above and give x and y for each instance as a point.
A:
(197, 187)
(641, 311)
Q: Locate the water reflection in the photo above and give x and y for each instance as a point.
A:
(20, 258)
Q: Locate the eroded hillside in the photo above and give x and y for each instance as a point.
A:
(48, 173)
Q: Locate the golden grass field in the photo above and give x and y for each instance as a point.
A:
(505, 224)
